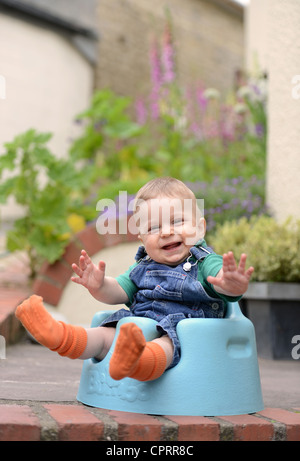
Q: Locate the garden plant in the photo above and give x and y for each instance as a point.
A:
(214, 142)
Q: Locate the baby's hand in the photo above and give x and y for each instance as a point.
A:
(89, 275)
(232, 280)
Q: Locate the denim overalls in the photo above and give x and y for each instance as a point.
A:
(169, 294)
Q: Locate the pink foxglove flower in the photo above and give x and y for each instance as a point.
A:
(155, 65)
(141, 111)
(156, 78)
(168, 56)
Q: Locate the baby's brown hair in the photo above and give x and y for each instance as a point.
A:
(164, 186)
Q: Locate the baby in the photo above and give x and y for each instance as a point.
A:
(175, 276)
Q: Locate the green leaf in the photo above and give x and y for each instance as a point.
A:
(7, 161)
(7, 189)
(47, 247)
(16, 241)
(42, 138)
(123, 130)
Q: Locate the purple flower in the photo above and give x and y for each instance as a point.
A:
(237, 180)
(255, 89)
(259, 130)
(156, 78)
(227, 124)
(196, 130)
(141, 111)
(154, 104)
(156, 75)
(201, 99)
(168, 56)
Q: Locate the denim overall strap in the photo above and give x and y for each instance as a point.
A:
(200, 252)
(141, 253)
(161, 288)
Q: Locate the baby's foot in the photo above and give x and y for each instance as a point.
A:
(129, 347)
(37, 320)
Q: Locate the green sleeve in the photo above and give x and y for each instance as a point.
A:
(128, 286)
(211, 265)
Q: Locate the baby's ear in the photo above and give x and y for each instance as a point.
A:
(202, 227)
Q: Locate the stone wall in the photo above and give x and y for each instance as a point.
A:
(208, 39)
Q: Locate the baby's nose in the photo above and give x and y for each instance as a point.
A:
(167, 229)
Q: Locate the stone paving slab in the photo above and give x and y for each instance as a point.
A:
(32, 372)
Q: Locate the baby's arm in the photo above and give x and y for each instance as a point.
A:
(232, 280)
(103, 288)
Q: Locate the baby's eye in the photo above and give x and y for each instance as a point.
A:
(178, 222)
(153, 229)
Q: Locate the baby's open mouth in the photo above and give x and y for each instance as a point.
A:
(171, 246)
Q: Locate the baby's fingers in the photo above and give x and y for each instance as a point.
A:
(214, 280)
(249, 272)
(242, 263)
(77, 280)
(229, 263)
(77, 270)
(242, 267)
(101, 266)
(84, 260)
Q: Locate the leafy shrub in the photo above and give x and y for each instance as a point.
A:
(51, 192)
(273, 248)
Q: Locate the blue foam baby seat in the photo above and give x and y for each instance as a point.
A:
(217, 374)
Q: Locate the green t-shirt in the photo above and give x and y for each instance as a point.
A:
(210, 265)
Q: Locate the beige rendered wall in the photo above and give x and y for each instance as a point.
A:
(256, 33)
(278, 21)
(47, 83)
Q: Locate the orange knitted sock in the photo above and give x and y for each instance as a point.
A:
(151, 364)
(134, 358)
(66, 340)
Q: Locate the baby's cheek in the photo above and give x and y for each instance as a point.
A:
(189, 231)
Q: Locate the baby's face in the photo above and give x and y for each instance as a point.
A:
(168, 228)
